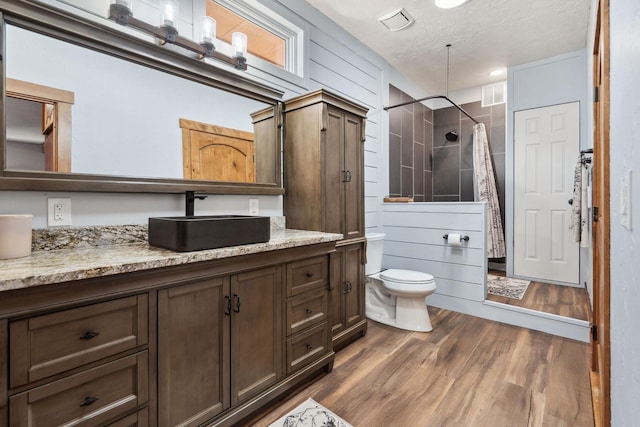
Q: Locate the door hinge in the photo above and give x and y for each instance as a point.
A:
(595, 214)
(596, 94)
(594, 332)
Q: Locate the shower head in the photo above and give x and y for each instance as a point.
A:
(452, 136)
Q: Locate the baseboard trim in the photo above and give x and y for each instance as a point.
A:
(544, 322)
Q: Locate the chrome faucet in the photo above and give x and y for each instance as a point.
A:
(190, 197)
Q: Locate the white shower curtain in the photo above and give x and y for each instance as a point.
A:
(484, 186)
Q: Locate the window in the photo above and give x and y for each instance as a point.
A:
(494, 94)
(270, 37)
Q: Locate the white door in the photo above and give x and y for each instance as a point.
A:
(546, 152)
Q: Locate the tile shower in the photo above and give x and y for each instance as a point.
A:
(423, 164)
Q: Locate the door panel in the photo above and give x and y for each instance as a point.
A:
(256, 332)
(354, 275)
(546, 151)
(354, 186)
(333, 168)
(192, 353)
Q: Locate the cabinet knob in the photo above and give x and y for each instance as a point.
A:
(309, 275)
(309, 311)
(309, 347)
(89, 400)
(89, 335)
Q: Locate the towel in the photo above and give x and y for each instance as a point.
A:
(579, 209)
(576, 207)
(584, 208)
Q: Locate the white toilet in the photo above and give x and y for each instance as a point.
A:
(396, 297)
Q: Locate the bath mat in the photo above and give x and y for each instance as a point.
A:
(308, 414)
(506, 286)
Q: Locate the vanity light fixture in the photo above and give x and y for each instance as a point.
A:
(167, 32)
(449, 4)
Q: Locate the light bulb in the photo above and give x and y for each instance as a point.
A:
(169, 16)
(239, 43)
(207, 29)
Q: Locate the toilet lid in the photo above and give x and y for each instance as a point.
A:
(406, 276)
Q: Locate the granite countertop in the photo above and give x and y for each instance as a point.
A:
(44, 267)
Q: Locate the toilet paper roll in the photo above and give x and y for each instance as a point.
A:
(454, 239)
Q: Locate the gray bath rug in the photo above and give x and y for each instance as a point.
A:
(308, 414)
(506, 286)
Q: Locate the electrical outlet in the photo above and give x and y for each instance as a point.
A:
(254, 207)
(59, 212)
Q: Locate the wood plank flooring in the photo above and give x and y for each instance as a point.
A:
(466, 372)
(555, 299)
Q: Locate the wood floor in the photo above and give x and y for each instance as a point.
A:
(467, 372)
(566, 301)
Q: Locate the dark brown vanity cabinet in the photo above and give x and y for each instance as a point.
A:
(219, 344)
(324, 164)
(81, 366)
(347, 293)
(324, 191)
(206, 343)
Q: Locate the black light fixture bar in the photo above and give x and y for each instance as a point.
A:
(169, 34)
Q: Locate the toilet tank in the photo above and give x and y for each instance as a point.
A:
(375, 243)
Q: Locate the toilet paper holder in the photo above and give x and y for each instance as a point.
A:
(465, 238)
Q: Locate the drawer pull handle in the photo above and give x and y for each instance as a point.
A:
(309, 275)
(237, 308)
(90, 400)
(228, 302)
(309, 311)
(89, 334)
(309, 346)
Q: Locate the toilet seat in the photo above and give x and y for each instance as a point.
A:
(406, 276)
(407, 282)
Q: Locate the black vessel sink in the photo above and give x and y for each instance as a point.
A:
(195, 233)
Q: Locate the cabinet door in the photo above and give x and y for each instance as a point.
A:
(333, 144)
(256, 332)
(353, 226)
(193, 356)
(354, 278)
(336, 291)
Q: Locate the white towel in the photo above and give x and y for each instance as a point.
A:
(580, 209)
(584, 208)
(576, 207)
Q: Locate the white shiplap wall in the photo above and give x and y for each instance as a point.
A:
(414, 241)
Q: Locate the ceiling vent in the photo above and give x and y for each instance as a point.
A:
(396, 20)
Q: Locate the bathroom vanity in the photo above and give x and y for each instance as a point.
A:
(132, 335)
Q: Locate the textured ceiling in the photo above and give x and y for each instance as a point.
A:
(484, 34)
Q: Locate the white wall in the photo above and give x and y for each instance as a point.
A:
(551, 81)
(625, 244)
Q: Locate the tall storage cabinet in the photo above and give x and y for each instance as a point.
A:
(324, 191)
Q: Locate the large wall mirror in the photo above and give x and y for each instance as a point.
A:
(88, 107)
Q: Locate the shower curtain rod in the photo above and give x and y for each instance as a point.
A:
(433, 97)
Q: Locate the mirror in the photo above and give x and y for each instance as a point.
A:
(114, 115)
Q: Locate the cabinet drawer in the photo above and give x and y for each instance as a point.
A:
(46, 345)
(87, 399)
(305, 310)
(306, 274)
(306, 347)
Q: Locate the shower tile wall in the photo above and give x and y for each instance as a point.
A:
(410, 148)
(448, 165)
